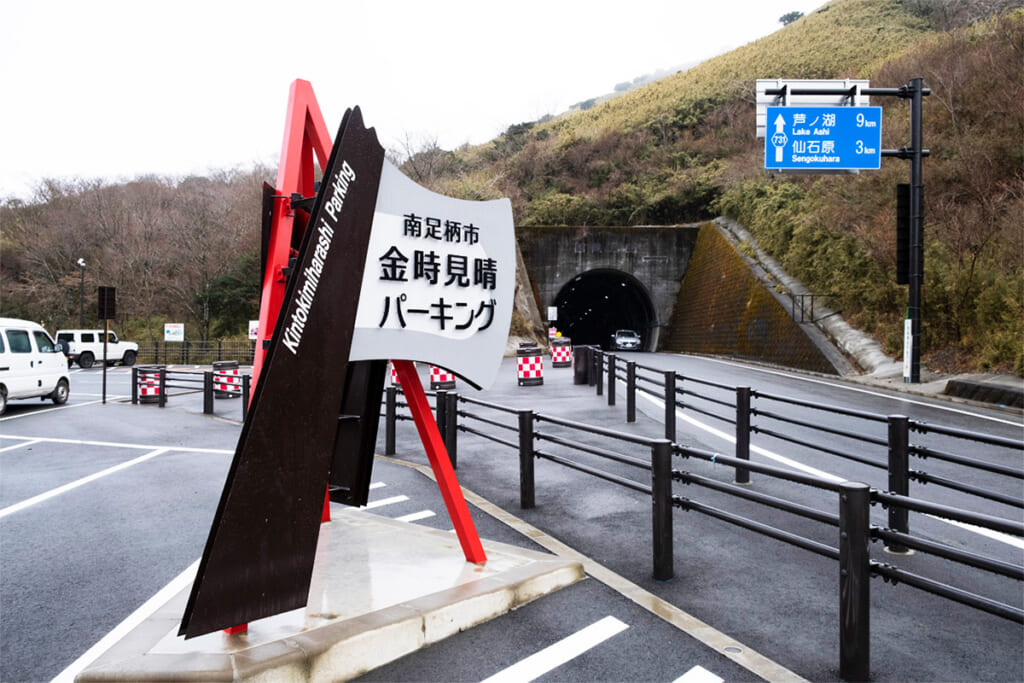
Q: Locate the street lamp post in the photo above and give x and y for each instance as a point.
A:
(81, 294)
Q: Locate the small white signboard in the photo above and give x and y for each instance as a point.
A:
(174, 332)
(254, 329)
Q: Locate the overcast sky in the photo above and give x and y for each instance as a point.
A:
(114, 89)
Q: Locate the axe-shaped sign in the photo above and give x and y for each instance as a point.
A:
(386, 269)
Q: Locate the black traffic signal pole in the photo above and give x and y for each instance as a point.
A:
(915, 92)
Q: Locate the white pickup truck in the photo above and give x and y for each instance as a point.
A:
(85, 347)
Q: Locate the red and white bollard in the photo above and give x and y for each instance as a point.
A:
(441, 378)
(561, 352)
(529, 366)
(227, 383)
(149, 386)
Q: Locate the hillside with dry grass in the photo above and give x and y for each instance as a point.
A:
(679, 150)
(684, 149)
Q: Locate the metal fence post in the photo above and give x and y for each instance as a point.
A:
(390, 410)
(661, 509)
(899, 476)
(526, 488)
(135, 386)
(441, 413)
(451, 439)
(854, 582)
(742, 432)
(630, 391)
(611, 379)
(246, 380)
(591, 366)
(599, 360)
(670, 405)
(208, 393)
(163, 387)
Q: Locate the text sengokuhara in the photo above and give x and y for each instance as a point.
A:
(310, 275)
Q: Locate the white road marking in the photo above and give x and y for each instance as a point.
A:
(415, 516)
(553, 656)
(147, 608)
(385, 501)
(17, 507)
(988, 533)
(114, 444)
(19, 445)
(699, 674)
(869, 392)
(377, 485)
(50, 409)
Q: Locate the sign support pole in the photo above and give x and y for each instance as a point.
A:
(439, 462)
(916, 261)
(915, 92)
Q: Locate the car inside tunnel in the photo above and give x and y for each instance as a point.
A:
(594, 304)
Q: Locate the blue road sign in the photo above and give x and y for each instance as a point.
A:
(823, 138)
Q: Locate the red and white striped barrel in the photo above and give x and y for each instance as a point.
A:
(561, 354)
(227, 383)
(149, 386)
(394, 375)
(530, 368)
(441, 378)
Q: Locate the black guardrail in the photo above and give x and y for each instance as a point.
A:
(152, 384)
(889, 435)
(522, 430)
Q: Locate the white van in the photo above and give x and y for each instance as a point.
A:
(31, 364)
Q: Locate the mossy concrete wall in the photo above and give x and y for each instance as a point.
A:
(724, 309)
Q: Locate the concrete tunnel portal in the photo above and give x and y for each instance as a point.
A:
(594, 304)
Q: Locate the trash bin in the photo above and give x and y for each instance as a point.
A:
(529, 364)
(227, 382)
(561, 352)
(582, 360)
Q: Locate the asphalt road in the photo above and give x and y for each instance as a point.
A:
(80, 552)
(779, 600)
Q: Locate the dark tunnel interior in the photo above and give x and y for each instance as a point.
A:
(594, 304)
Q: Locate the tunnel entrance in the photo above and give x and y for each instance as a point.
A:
(594, 304)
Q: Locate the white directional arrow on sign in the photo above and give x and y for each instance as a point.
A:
(779, 139)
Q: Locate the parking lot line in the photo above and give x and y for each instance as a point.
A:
(416, 516)
(128, 625)
(19, 445)
(114, 444)
(553, 656)
(17, 507)
(385, 501)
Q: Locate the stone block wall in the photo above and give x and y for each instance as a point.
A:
(723, 309)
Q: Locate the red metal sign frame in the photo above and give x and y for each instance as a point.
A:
(306, 141)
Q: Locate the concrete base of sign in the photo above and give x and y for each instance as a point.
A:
(380, 590)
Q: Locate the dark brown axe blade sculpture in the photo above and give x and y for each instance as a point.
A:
(258, 559)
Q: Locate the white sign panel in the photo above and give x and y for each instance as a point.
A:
(908, 348)
(254, 329)
(852, 96)
(174, 332)
(438, 280)
(552, 313)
